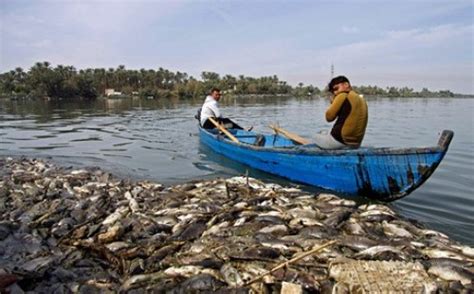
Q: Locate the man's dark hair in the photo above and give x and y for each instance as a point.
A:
(337, 80)
(215, 90)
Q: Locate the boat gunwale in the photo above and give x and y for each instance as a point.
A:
(365, 151)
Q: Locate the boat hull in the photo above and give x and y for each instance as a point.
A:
(381, 173)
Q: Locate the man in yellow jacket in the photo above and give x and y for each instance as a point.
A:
(349, 109)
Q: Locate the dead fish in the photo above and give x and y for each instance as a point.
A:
(164, 251)
(466, 250)
(189, 270)
(261, 252)
(336, 218)
(452, 273)
(213, 263)
(275, 230)
(382, 252)
(132, 203)
(278, 245)
(304, 221)
(377, 215)
(231, 275)
(199, 283)
(68, 188)
(165, 220)
(304, 213)
(273, 213)
(240, 221)
(112, 234)
(81, 190)
(39, 264)
(428, 233)
(243, 181)
(325, 197)
(342, 202)
(270, 219)
(241, 205)
(357, 243)
(417, 244)
(142, 280)
(79, 172)
(413, 228)
(216, 229)
(376, 207)
(447, 261)
(394, 230)
(191, 231)
(116, 246)
(174, 211)
(118, 214)
(151, 186)
(353, 227)
(442, 253)
(319, 232)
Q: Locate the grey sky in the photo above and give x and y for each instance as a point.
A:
(386, 43)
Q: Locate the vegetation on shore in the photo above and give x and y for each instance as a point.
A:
(66, 82)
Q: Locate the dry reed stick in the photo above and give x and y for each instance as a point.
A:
(281, 265)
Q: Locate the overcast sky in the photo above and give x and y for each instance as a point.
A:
(417, 43)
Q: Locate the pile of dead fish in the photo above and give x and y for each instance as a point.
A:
(64, 230)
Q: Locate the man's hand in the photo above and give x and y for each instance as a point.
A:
(331, 98)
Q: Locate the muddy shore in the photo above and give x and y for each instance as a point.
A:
(65, 230)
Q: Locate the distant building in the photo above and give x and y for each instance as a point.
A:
(111, 92)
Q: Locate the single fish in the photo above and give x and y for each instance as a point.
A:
(118, 214)
(395, 230)
(231, 275)
(452, 273)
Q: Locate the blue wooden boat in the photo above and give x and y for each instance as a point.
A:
(384, 174)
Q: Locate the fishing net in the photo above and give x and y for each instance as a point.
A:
(362, 276)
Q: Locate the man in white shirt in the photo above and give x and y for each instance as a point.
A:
(210, 108)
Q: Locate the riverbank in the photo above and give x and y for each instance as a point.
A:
(86, 230)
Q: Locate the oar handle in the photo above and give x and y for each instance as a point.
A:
(224, 130)
(291, 136)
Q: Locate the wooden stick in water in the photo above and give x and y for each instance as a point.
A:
(224, 130)
(291, 136)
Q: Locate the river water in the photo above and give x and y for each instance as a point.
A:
(158, 140)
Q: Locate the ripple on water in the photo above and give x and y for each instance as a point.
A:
(159, 148)
(122, 144)
(45, 136)
(116, 155)
(86, 139)
(113, 150)
(49, 147)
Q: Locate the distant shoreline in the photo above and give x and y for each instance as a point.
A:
(43, 81)
(230, 96)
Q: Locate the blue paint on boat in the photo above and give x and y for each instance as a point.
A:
(384, 174)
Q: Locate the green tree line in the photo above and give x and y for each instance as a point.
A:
(43, 80)
(66, 82)
(403, 92)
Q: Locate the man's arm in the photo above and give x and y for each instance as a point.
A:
(333, 109)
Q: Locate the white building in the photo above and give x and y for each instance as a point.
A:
(111, 92)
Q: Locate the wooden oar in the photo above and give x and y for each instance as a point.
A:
(291, 136)
(224, 130)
